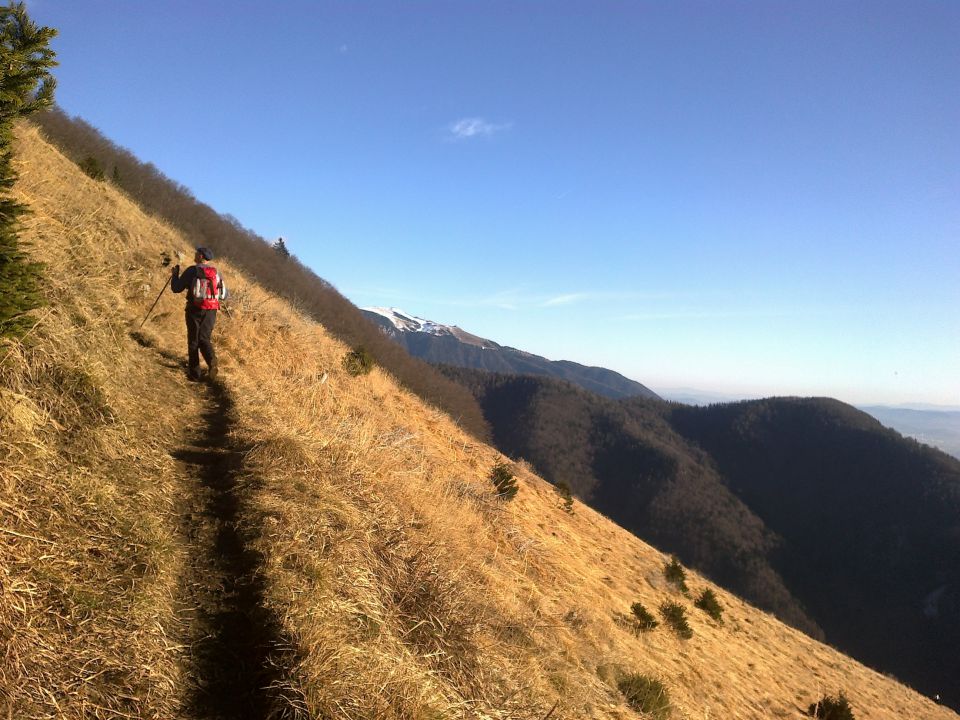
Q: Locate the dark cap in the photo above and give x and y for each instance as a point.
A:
(205, 253)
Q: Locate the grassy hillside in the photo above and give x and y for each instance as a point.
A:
(301, 543)
(629, 463)
(807, 507)
(299, 285)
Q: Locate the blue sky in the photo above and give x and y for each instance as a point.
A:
(746, 197)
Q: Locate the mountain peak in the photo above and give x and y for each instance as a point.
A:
(406, 322)
(451, 345)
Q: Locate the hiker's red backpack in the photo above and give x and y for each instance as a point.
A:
(208, 289)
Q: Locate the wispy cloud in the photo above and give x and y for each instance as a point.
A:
(704, 314)
(604, 296)
(473, 127)
(566, 299)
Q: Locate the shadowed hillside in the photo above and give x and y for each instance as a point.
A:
(870, 522)
(809, 507)
(364, 542)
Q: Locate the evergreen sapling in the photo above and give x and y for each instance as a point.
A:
(26, 86)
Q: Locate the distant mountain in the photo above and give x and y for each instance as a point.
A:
(695, 396)
(806, 506)
(937, 427)
(449, 344)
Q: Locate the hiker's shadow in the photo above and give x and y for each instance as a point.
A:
(236, 659)
(168, 359)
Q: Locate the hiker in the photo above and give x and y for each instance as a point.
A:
(205, 289)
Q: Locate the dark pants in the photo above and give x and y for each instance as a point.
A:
(199, 329)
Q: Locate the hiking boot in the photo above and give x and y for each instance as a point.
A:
(193, 374)
(213, 371)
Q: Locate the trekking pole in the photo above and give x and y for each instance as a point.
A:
(155, 302)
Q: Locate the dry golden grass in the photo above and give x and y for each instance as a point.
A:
(88, 552)
(406, 589)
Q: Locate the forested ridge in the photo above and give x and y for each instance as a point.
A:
(102, 159)
(807, 507)
(870, 521)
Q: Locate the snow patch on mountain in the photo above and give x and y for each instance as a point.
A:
(405, 322)
(411, 323)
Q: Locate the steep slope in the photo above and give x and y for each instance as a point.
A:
(91, 554)
(870, 521)
(449, 344)
(808, 507)
(393, 582)
(629, 463)
(284, 274)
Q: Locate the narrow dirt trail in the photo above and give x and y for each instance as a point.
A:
(231, 635)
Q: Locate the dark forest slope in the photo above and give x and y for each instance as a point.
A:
(627, 462)
(870, 522)
(807, 507)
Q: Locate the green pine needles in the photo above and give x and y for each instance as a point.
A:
(26, 86)
(91, 166)
(566, 495)
(832, 708)
(676, 617)
(643, 618)
(646, 695)
(358, 362)
(675, 574)
(504, 481)
(710, 605)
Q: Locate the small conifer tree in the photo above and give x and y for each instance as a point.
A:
(644, 618)
(563, 490)
(26, 86)
(646, 694)
(676, 617)
(710, 605)
(504, 481)
(832, 708)
(281, 248)
(674, 573)
(358, 361)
